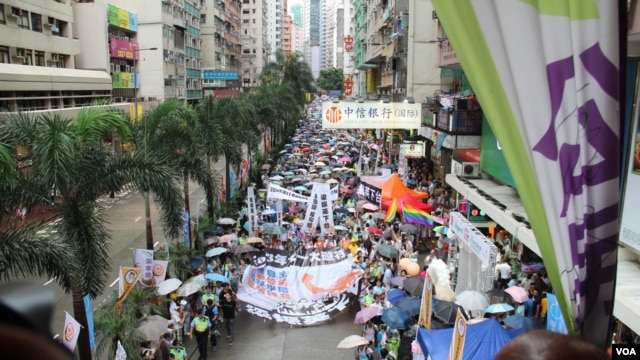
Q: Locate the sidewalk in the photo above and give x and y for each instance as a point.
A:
(40, 213)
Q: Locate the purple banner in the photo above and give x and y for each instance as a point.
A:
(123, 49)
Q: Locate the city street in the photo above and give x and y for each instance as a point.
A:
(254, 338)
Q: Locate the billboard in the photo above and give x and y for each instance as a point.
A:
(123, 49)
(371, 115)
(492, 159)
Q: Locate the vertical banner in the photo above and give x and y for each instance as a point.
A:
(128, 278)
(459, 335)
(425, 309)
(325, 216)
(547, 74)
(251, 209)
(183, 234)
(89, 312)
(133, 117)
(159, 271)
(71, 332)
(308, 224)
(143, 259)
(555, 321)
(279, 211)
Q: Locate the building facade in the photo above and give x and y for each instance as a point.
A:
(312, 30)
(255, 45)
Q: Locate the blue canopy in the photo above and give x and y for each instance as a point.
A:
(483, 340)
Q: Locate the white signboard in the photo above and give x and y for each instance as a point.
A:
(371, 115)
(470, 236)
(411, 151)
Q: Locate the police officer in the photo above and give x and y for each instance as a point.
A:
(178, 352)
(201, 326)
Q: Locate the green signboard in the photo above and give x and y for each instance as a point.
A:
(492, 159)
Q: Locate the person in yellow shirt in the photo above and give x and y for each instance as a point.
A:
(543, 309)
(353, 247)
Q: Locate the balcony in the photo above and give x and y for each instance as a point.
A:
(459, 122)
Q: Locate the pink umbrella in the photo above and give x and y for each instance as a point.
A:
(345, 159)
(518, 294)
(227, 238)
(371, 207)
(366, 314)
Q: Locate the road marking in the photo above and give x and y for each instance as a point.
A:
(114, 282)
(49, 282)
(138, 218)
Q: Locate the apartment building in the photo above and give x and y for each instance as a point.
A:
(287, 34)
(312, 31)
(255, 45)
(38, 50)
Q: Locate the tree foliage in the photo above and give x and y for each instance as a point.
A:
(330, 79)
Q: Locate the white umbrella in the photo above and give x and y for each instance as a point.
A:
(352, 341)
(268, 212)
(277, 177)
(168, 286)
(153, 327)
(226, 221)
(198, 279)
(188, 289)
(472, 300)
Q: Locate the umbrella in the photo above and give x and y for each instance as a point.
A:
(319, 164)
(498, 308)
(446, 311)
(226, 221)
(332, 181)
(215, 252)
(520, 322)
(388, 251)
(340, 228)
(472, 300)
(410, 304)
(188, 289)
(374, 231)
(409, 228)
(444, 292)
(352, 341)
(518, 294)
(396, 318)
(266, 166)
(366, 314)
(371, 207)
(300, 188)
(397, 281)
(254, 240)
(216, 277)
(395, 295)
(497, 296)
(441, 229)
(413, 285)
(168, 286)
(325, 172)
(268, 212)
(227, 238)
(198, 279)
(153, 327)
(378, 215)
(241, 249)
(275, 230)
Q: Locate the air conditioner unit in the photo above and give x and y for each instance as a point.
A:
(113, 67)
(20, 52)
(127, 68)
(117, 68)
(50, 22)
(117, 100)
(133, 69)
(470, 169)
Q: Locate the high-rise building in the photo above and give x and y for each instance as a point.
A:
(38, 50)
(311, 23)
(255, 45)
(275, 13)
(296, 14)
(221, 25)
(287, 33)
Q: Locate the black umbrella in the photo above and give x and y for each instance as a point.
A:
(446, 311)
(409, 228)
(413, 285)
(497, 296)
(388, 251)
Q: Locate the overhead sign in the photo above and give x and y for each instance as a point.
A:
(371, 115)
(471, 237)
(219, 75)
(412, 151)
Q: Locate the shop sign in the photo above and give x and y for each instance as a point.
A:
(412, 151)
(371, 115)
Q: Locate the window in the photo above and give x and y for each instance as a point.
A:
(254, 11)
(56, 29)
(203, 18)
(36, 22)
(254, 21)
(4, 55)
(2, 18)
(23, 19)
(40, 58)
(28, 57)
(245, 21)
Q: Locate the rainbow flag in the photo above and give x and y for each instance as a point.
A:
(416, 216)
(391, 211)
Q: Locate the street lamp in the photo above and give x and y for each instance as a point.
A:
(136, 53)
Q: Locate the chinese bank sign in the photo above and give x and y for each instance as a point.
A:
(371, 115)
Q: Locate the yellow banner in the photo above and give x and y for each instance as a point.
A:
(132, 114)
(425, 309)
(128, 278)
(459, 334)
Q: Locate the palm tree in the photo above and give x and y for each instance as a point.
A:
(69, 153)
(112, 327)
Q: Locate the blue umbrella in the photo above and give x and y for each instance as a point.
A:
(396, 318)
(498, 308)
(216, 277)
(520, 322)
(410, 304)
(395, 295)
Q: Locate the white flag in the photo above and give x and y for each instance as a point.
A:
(121, 354)
(71, 332)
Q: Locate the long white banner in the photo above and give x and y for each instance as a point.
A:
(278, 192)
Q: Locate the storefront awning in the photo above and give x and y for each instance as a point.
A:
(504, 195)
